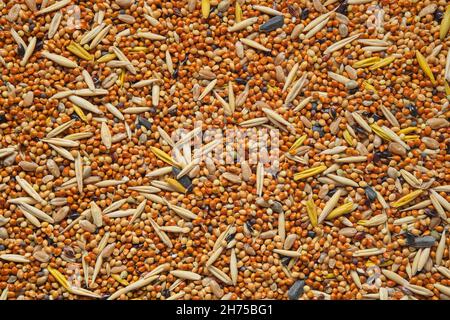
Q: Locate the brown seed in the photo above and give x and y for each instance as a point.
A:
(96, 214)
(296, 31)
(348, 232)
(13, 13)
(289, 242)
(437, 123)
(215, 288)
(246, 171)
(28, 166)
(396, 148)
(106, 135)
(280, 76)
(268, 234)
(287, 253)
(31, 4)
(87, 226)
(239, 49)
(259, 179)
(126, 18)
(79, 172)
(124, 3)
(41, 256)
(61, 214)
(233, 267)
(430, 143)
(232, 177)
(28, 99)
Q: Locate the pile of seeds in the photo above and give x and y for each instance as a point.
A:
(98, 201)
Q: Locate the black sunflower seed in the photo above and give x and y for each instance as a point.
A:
(343, 8)
(438, 15)
(412, 109)
(273, 24)
(185, 180)
(371, 194)
(305, 14)
(144, 122)
(419, 242)
(296, 290)
(39, 45)
(21, 51)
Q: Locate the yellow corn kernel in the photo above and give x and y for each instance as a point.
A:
(387, 263)
(340, 211)
(383, 63)
(407, 130)
(60, 278)
(369, 87)
(411, 137)
(120, 280)
(176, 185)
(447, 89)
(312, 212)
(122, 77)
(238, 12)
(425, 67)
(297, 144)
(80, 113)
(366, 62)
(380, 132)
(407, 199)
(348, 137)
(164, 157)
(79, 51)
(106, 58)
(309, 172)
(139, 49)
(206, 7)
(445, 24)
